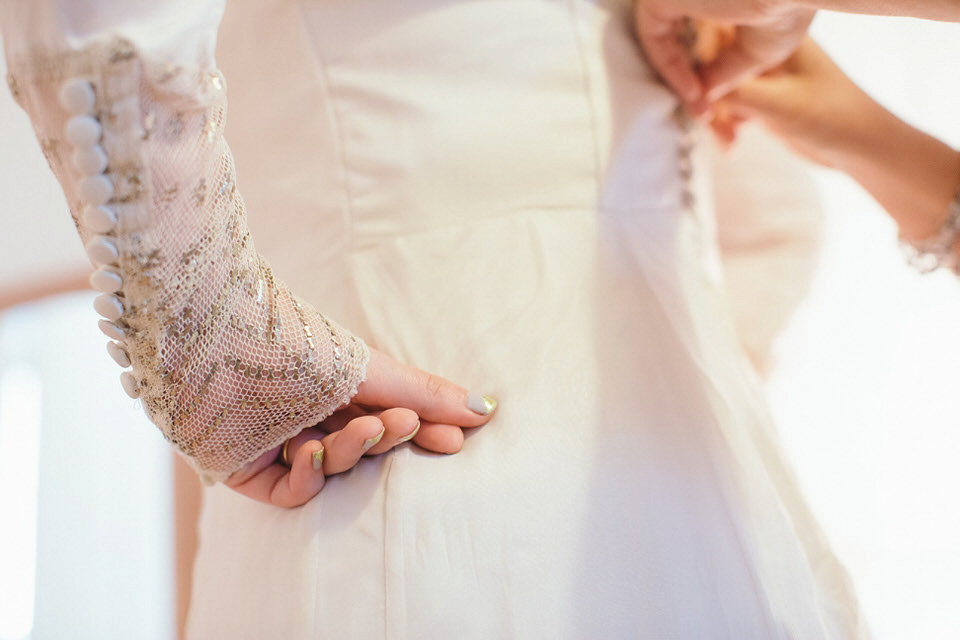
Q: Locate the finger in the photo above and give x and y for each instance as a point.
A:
(734, 66)
(304, 479)
(724, 132)
(344, 448)
(754, 50)
(266, 480)
(762, 98)
(668, 55)
(400, 425)
(266, 459)
(340, 418)
(434, 399)
(439, 438)
(399, 421)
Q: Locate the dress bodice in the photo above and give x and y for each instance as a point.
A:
(391, 120)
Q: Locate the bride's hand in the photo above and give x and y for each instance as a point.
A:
(395, 404)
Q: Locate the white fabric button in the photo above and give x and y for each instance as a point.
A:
(102, 250)
(96, 190)
(99, 219)
(106, 280)
(111, 330)
(109, 306)
(118, 353)
(130, 384)
(77, 96)
(90, 161)
(83, 131)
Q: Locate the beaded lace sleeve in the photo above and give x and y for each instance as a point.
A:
(227, 362)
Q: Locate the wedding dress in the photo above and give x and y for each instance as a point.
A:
(500, 193)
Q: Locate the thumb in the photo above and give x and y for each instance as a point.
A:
(434, 399)
(731, 68)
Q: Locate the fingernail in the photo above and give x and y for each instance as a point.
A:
(372, 442)
(410, 435)
(484, 405)
(318, 460)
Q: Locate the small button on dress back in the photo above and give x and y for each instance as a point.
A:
(108, 306)
(91, 161)
(83, 131)
(111, 330)
(102, 251)
(130, 385)
(106, 280)
(77, 96)
(118, 353)
(99, 219)
(96, 190)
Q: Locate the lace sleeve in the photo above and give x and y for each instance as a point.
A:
(227, 362)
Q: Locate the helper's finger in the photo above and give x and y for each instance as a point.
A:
(725, 130)
(734, 66)
(769, 99)
(434, 399)
(754, 50)
(668, 54)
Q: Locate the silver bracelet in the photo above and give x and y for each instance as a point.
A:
(938, 251)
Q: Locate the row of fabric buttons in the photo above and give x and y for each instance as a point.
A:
(84, 132)
(685, 148)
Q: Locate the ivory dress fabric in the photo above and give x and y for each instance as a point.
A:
(495, 192)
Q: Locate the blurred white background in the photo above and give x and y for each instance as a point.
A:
(866, 383)
(864, 390)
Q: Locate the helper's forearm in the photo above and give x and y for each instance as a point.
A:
(948, 10)
(911, 174)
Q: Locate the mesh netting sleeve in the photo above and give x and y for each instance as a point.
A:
(227, 361)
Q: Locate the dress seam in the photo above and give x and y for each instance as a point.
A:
(367, 240)
(588, 93)
(336, 119)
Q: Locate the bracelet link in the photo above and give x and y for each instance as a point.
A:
(939, 251)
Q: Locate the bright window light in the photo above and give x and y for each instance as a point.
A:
(19, 455)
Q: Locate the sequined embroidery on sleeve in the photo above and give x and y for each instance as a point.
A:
(227, 361)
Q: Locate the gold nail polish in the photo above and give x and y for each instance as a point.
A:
(318, 459)
(484, 405)
(372, 442)
(410, 435)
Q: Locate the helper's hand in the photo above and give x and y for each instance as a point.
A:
(809, 103)
(817, 110)
(766, 33)
(395, 404)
